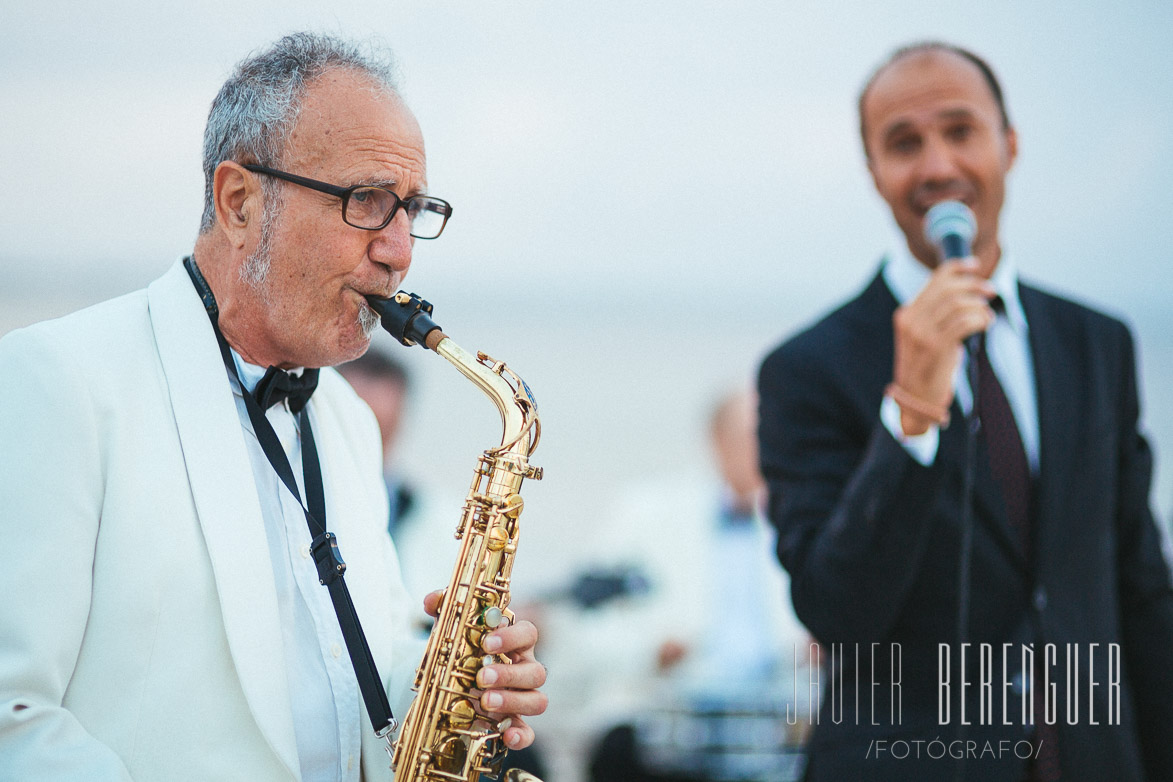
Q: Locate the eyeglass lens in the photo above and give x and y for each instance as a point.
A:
(368, 207)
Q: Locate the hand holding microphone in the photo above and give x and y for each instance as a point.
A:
(950, 227)
(928, 330)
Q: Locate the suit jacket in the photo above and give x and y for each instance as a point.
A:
(871, 540)
(139, 633)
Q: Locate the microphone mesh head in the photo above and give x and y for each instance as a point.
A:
(950, 218)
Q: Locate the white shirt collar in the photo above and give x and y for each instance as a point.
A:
(251, 374)
(906, 276)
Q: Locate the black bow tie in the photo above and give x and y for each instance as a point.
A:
(277, 385)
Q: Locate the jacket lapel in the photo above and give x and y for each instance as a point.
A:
(1058, 410)
(226, 502)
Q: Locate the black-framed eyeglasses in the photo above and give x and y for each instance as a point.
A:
(371, 207)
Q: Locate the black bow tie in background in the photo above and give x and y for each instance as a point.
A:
(277, 385)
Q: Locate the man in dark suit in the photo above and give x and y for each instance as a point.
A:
(1063, 606)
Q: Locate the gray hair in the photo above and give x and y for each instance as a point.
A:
(255, 110)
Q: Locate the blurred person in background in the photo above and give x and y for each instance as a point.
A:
(420, 540)
(167, 620)
(706, 555)
(382, 382)
(864, 439)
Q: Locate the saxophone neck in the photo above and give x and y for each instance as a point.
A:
(408, 318)
(521, 426)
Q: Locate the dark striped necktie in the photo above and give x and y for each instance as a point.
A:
(1004, 445)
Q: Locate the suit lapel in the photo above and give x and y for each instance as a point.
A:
(226, 502)
(1058, 410)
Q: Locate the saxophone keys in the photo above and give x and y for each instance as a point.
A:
(498, 539)
(462, 711)
(493, 617)
(513, 506)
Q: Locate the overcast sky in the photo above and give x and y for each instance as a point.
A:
(603, 145)
(647, 194)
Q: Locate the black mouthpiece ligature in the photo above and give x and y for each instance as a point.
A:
(406, 317)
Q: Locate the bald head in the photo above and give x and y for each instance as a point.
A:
(931, 48)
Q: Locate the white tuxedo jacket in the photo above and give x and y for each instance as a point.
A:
(139, 633)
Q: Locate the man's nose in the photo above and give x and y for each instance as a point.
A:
(937, 162)
(392, 244)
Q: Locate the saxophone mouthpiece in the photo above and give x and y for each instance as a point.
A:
(408, 318)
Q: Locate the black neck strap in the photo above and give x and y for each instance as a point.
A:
(324, 545)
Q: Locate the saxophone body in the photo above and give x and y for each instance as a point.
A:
(443, 738)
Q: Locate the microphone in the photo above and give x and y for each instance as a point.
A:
(950, 227)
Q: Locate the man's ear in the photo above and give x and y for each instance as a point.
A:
(1011, 136)
(872, 171)
(238, 200)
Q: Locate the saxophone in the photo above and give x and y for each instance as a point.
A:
(443, 738)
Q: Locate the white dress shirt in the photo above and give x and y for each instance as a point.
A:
(1008, 348)
(322, 685)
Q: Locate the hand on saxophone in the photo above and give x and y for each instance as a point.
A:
(508, 691)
